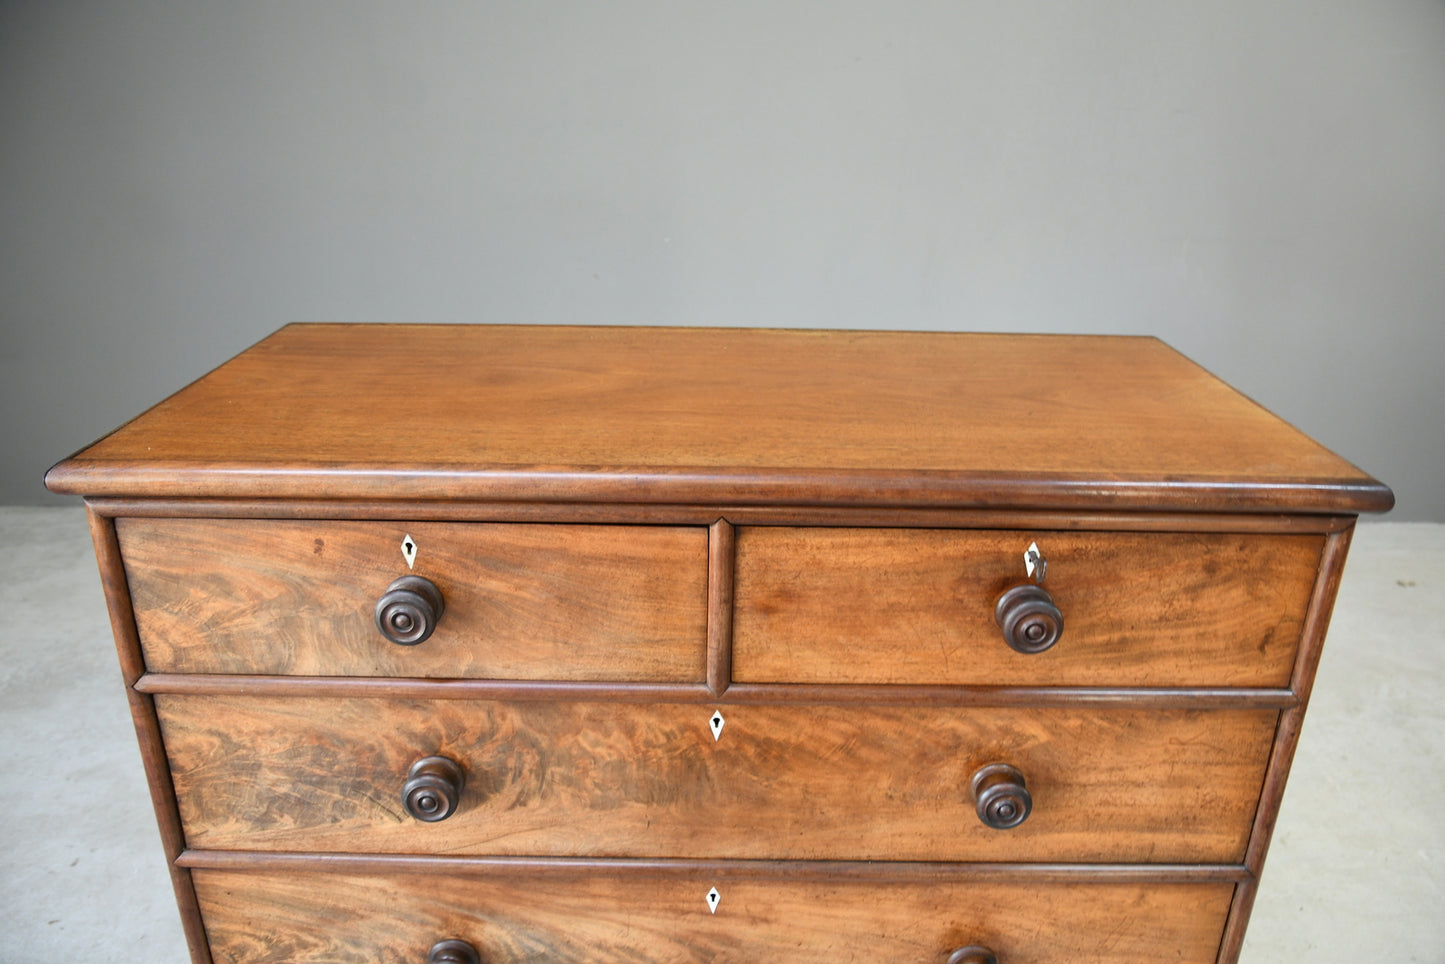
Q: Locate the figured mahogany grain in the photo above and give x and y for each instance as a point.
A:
(719, 415)
(599, 919)
(586, 499)
(826, 605)
(570, 602)
(1287, 739)
(147, 730)
(813, 782)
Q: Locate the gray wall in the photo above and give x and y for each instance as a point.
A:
(1261, 184)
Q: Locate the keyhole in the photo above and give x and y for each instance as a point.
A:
(1035, 563)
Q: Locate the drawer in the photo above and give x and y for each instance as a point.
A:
(823, 605)
(565, 602)
(594, 919)
(649, 780)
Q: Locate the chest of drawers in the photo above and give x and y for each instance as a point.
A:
(501, 644)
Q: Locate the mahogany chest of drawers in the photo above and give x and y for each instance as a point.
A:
(506, 644)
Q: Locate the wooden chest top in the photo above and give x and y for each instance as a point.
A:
(725, 416)
(504, 644)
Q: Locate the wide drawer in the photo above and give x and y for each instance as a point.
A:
(650, 780)
(566, 602)
(593, 919)
(824, 605)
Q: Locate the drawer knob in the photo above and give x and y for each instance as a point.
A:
(453, 952)
(1000, 797)
(433, 788)
(973, 954)
(1030, 621)
(410, 610)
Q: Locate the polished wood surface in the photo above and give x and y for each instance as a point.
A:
(147, 730)
(665, 414)
(314, 687)
(641, 513)
(834, 605)
(592, 919)
(730, 609)
(1322, 601)
(720, 577)
(522, 601)
(543, 869)
(816, 782)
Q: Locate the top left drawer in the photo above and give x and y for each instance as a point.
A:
(518, 601)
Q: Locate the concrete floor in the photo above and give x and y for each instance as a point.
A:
(1354, 873)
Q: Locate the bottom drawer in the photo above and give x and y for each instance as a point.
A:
(651, 917)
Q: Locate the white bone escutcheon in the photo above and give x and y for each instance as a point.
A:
(1034, 562)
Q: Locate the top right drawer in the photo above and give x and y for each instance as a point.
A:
(921, 606)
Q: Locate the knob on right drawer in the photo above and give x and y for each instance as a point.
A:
(1030, 621)
(973, 954)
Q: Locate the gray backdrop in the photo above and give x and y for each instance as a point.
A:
(1262, 184)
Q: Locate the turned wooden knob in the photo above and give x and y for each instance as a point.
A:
(453, 952)
(410, 610)
(1030, 621)
(1000, 797)
(433, 789)
(973, 954)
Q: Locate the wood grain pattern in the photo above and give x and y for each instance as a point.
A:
(812, 871)
(310, 918)
(612, 779)
(617, 519)
(1217, 698)
(719, 606)
(522, 602)
(821, 605)
(700, 415)
(147, 730)
(1317, 622)
(641, 513)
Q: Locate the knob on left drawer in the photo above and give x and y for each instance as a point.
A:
(409, 610)
(453, 952)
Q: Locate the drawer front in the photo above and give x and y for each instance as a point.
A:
(591, 919)
(569, 602)
(918, 606)
(650, 780)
